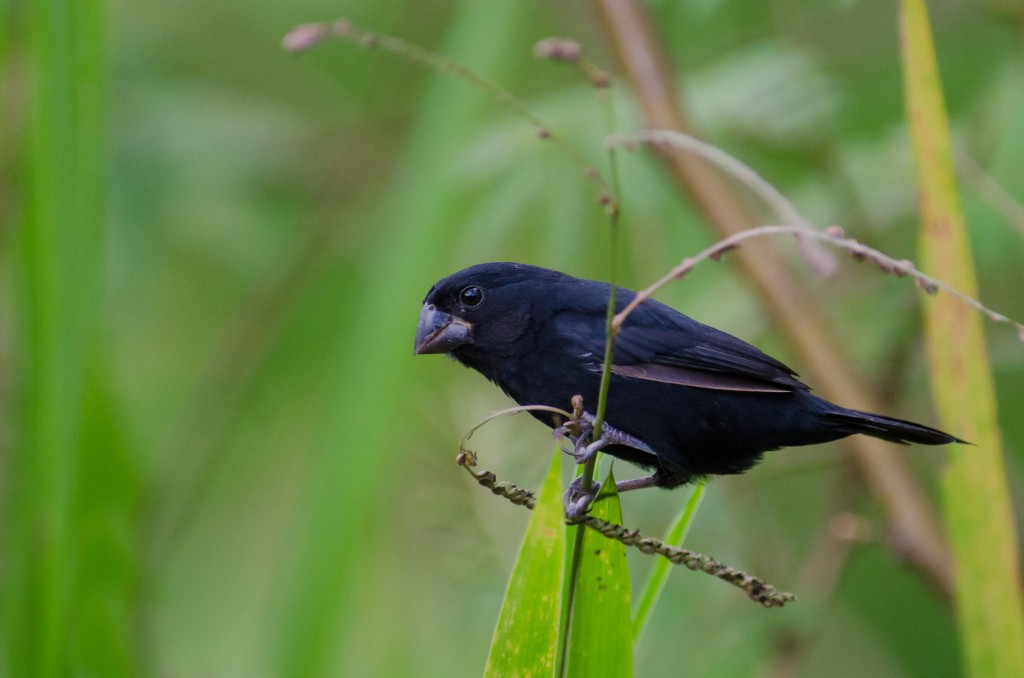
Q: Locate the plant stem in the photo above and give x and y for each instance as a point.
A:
(587, 472)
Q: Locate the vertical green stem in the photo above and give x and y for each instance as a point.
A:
(587, 472)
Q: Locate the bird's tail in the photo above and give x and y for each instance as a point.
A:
(889, 428)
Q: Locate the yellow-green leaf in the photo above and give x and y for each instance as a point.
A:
(526, 638)
(978, 512)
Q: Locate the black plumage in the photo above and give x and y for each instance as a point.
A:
(691, 400)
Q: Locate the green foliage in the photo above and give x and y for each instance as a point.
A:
(218, 456)
(327, 565)
(525, 640)
(600, 633)
(70, 547)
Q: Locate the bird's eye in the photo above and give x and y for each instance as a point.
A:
(471, 296)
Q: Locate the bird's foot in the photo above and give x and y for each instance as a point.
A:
(580, 431)
(577, 423)
(578, 500)
(582, 449)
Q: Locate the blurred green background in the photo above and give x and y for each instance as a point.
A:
(228, 463)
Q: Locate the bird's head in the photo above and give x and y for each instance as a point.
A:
(483, 310)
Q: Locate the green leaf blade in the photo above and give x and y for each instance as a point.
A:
(525, 640)
(601, 635)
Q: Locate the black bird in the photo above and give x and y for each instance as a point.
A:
(685, 400)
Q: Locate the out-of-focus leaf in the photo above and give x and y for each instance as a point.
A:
(108, 493)
(420, 224)
(46, 595)
(772, 92)
(978, 512)
(526, 638)
(601, 635)
(662, 566)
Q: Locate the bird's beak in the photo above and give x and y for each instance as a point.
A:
(438, 332)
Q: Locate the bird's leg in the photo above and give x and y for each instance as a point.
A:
(609, 436)
(636, 483)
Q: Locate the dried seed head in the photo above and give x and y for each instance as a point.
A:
(927, 286)
(903, 267)
(303, 37)
(557, 49)
(601, 79)
(684, 268)
(717, 254)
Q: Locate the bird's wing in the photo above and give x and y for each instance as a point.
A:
(661, 344)
(658, 343)
(682, 376)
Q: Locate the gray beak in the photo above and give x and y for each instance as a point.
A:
(438, 332)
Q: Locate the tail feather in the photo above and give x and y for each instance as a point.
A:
(889, 428)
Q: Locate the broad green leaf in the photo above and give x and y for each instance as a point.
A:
(979, 515)
(601, 632)
(526, 638)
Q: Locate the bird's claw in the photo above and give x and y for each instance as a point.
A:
(581, 423)
(571, 430)
(578, 501)
(579, 432)
(582, 450)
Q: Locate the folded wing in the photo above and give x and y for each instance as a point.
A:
(658, 343)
